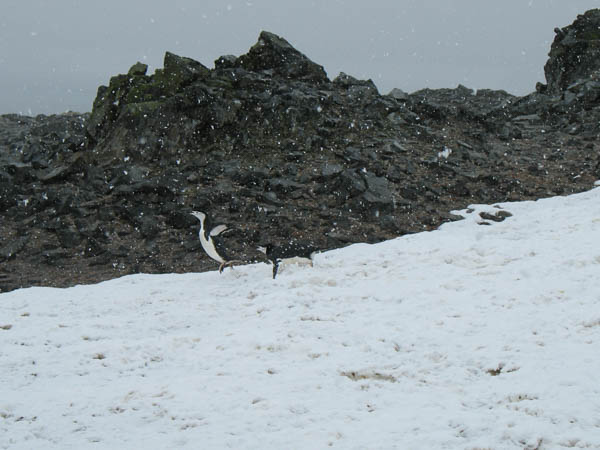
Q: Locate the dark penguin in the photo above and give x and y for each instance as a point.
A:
(301, 252)
(212, 241)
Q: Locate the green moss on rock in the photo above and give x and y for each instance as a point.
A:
(142, 109)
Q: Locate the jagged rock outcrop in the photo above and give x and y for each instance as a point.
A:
(272, 53)
(266, 141)
(575, 53)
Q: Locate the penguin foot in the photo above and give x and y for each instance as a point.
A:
(229, 264)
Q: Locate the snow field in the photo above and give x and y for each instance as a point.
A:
(470, 336)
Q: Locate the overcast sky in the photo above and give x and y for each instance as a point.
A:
(55, 53)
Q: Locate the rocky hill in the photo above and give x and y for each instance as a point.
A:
(268, 143)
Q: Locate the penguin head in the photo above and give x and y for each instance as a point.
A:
(199, 215)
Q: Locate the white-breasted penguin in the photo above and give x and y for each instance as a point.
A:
(212, 241)
(288, 252)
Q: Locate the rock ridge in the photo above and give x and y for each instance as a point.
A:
(268, 143)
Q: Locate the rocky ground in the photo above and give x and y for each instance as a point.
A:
(267, 143)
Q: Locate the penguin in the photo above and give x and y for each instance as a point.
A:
(293, 251)
(213, 241)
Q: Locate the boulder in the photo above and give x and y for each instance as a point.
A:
(138, 69)
(398, 94)
(225, 62)
(378, 198)
(283, 185)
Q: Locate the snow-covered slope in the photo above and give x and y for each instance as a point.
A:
(471, 336)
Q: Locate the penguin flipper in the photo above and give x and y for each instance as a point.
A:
(218, 230)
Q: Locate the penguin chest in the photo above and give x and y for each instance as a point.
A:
(209, 247)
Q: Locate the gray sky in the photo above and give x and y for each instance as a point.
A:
(55, 53)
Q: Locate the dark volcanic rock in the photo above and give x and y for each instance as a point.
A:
(575, 52)
(275, 54)
(12, 248)
(266, 143)
(378, 197)
(460, 102)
